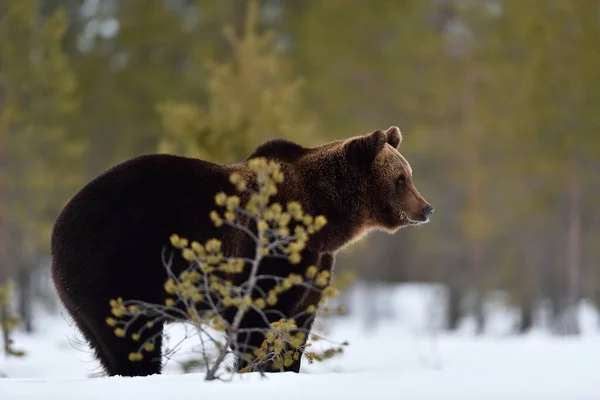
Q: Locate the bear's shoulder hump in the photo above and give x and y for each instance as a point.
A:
(279, 149)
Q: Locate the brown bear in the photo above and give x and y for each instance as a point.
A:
(109, 239)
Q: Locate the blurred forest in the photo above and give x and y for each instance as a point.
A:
(497, 100)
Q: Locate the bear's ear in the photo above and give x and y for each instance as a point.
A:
(394, 136)
(363, 149)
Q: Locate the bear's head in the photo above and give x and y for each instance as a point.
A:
(360, 184)
(389, 197)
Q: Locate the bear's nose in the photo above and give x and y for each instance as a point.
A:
(427, 211)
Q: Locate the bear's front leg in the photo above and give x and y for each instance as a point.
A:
(293, 303)
(305, 320)
(250, 337)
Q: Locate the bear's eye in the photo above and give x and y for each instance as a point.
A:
(402, 180)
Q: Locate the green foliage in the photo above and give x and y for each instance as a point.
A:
(40, 157)
(215, 282)
(500, 101)
(8, 322)
(122, 76)
(500, 105)
(192, 364)
(250, 98)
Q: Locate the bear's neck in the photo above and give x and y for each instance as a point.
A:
(324, 185)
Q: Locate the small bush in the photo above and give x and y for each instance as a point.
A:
(8, 321)
(214, 283)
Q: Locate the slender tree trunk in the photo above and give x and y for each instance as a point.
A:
(529, 284)
(4, 260)
(474, 204)
(371, 315)
(555, 304)
(526, 320)
(4, 315)
(4, 263)
(596, 300)
(476, 264)
(25, 297)
(454, 313)
(568, 320)
(595, 287)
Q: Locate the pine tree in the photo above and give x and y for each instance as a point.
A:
(250, 98)
(40, 158)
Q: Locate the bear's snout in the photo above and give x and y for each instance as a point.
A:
(427, 211)
(421, 213)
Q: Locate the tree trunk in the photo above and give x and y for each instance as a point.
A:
(568, 318)
(474, 174)
(4, 262)
(597, 304)
(529, 283)
(476, 263)
(526, 320)
(25, 297)
(454, 313)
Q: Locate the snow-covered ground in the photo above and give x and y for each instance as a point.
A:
(401, 358)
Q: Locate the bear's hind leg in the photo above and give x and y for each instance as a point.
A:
(114, 352)
(121, 348)
(90, 338)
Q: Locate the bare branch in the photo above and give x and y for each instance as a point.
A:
(214, 283)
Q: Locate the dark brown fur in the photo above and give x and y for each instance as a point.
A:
(109, 239)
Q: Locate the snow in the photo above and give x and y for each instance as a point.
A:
(403, 357)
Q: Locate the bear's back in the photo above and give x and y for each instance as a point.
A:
(126, 215)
